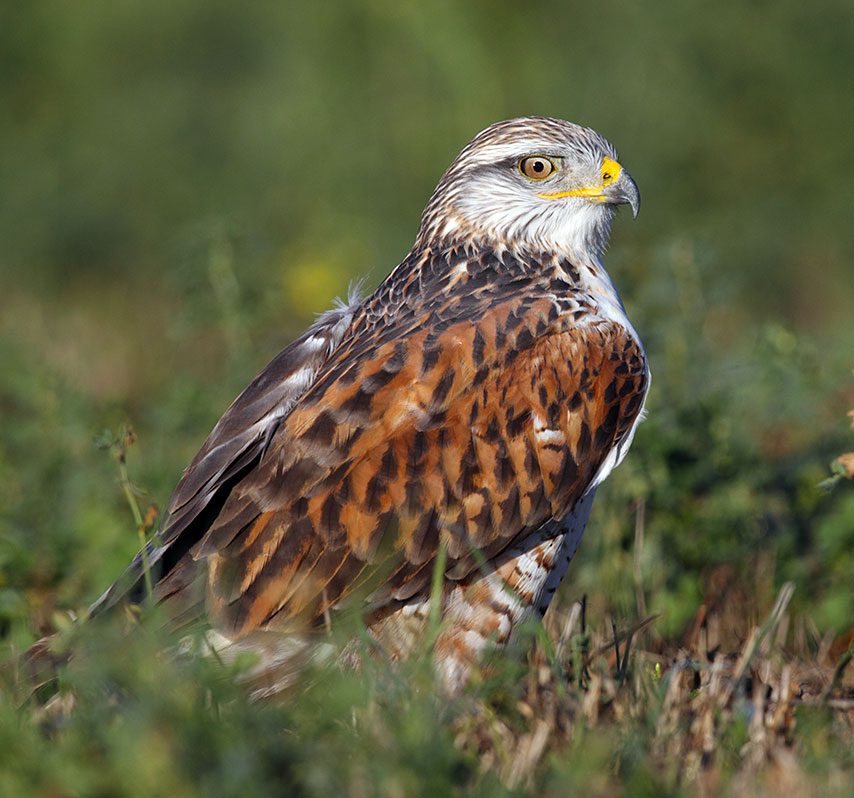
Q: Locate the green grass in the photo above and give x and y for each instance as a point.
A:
(667, 718)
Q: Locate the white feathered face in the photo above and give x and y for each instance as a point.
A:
(537, 182)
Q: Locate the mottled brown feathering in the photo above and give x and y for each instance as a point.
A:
(469, 403)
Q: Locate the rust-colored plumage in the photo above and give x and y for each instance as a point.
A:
(473, 402)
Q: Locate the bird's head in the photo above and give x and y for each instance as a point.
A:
(533, 182)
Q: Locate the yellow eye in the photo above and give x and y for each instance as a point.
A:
(537, 167)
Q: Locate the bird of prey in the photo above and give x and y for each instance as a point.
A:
(459, 418)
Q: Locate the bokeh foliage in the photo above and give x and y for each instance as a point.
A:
(185, 184)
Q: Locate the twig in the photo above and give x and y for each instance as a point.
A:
(127, 437)
(757, 640)
(631, 631)
(640, 522)
(623, 669)
(836, 680)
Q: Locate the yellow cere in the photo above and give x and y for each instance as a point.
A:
(610, 174)
(610, 171)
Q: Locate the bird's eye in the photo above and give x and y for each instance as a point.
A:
(537, 167)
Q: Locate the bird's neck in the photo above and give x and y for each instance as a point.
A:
(455, 267)
(579, 235)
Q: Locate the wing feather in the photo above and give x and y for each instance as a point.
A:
(387, 431)
(234, 447)
(434, 455)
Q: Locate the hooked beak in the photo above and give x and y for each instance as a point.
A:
(623, 191)
(616, 188)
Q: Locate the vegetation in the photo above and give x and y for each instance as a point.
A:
(185, 184)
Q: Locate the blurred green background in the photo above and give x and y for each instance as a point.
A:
(185, 184)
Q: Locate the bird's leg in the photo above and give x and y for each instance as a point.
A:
(482, 611)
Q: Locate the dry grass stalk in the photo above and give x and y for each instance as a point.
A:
(699, 708)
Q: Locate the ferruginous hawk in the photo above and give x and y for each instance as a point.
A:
(462, 414)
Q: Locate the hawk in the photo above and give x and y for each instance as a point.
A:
(459, 418)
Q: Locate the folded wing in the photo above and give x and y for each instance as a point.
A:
(467, 432)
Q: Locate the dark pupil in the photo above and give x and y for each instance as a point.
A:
(539, 166)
